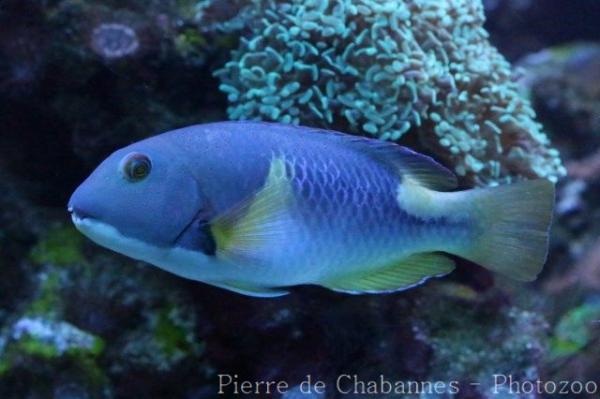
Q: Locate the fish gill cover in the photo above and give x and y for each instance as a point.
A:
(386, 69)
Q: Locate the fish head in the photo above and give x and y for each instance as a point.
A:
(141, 197)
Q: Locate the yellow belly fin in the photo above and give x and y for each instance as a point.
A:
(401, 275)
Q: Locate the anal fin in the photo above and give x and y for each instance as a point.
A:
(400, 275)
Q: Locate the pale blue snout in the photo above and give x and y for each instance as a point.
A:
(141, 191)
(82, 205)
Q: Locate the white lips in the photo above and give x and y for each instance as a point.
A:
(107, 236)
(76, 219)
(184, 263)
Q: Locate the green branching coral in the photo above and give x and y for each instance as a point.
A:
(387, 67)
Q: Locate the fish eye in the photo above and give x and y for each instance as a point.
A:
(135, 166)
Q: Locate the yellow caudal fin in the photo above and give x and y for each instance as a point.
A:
(514, 222)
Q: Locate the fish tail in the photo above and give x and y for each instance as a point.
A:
(513, 228)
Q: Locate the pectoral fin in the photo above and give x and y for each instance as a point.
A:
(398, 276)
(244, 232)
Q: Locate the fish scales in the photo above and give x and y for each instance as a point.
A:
(350, 207)
(257, 208)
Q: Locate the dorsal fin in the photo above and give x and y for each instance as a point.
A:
(404, 161)
(421, 168)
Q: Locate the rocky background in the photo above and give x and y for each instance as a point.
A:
(80, 78)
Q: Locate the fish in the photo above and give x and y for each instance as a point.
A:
(258, 208)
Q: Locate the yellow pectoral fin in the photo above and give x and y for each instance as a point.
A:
(401, 275)
(259, 221)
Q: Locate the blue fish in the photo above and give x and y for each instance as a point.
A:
(257, 207)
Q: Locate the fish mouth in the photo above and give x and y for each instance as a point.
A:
(79, 216)
(96, 230)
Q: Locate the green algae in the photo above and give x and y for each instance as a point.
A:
(31, 346)
(49, 342)
(573, 332)
(172, 333)
(188, 42)
(49, 339)
(48, 300)
(61, 245)
(4, 366)
(472, 341)
(166, 339)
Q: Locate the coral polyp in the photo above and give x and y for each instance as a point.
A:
(114, 40)
(385, 68)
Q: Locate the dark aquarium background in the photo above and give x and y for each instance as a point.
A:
(497, 91)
